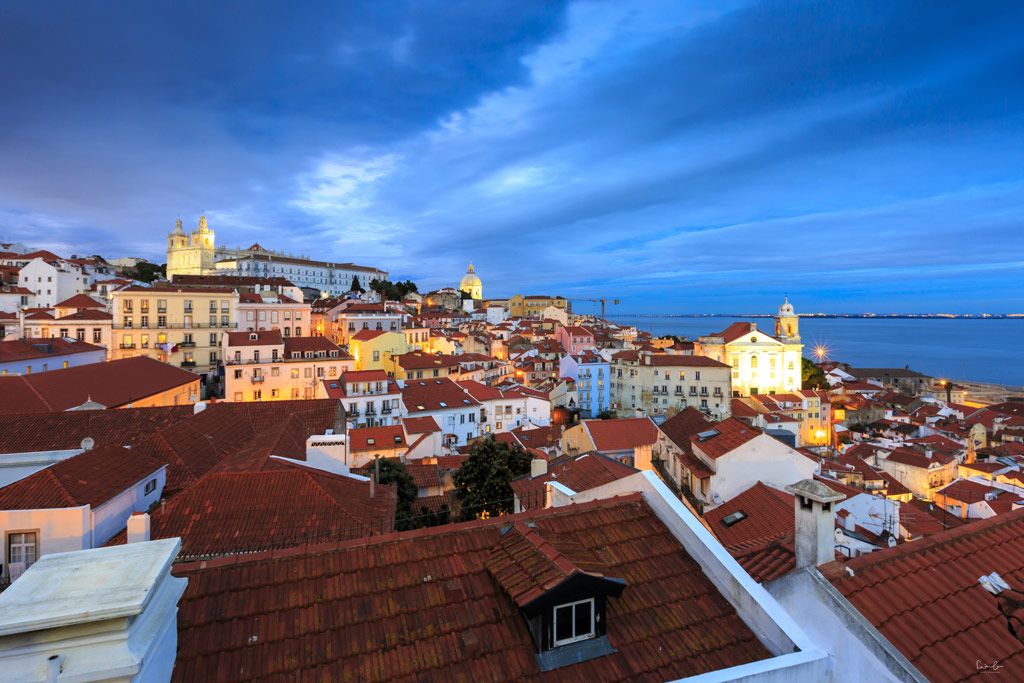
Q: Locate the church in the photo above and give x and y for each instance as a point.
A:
(762, 363)
(471, 284)
(198, 254)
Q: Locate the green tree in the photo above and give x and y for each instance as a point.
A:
(356, 287)
(394, 472)
(393, 291)
(146, 272)
(483, 483)
(812, 377)
(606, 414)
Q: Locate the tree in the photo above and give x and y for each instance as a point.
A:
(145, 271)
(483, 483)
(394, 472)
(812, 377)
(356, 287)
(606, 414)
(393, 291)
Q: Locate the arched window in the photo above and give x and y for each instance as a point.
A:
(753, 362)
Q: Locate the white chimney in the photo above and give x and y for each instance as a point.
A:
(138, 527)
(93, 615)
(538, 468)
(815, 522)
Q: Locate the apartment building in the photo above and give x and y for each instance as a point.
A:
(370, 397)
(176, 325)
(269, 310)
(267, 366)
(661, 384)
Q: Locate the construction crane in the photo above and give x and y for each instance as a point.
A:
(614, 302)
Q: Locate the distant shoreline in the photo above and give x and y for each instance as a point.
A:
(858, 316)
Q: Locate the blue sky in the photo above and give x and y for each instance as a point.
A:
(682, 156)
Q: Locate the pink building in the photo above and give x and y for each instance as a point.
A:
(575, 339)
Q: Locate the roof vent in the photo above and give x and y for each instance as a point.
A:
(709, 434)
(88, 443)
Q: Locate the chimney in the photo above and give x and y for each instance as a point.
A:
(538, 468)
(138, 527)
(815, 522)
(198, 407)
(92, 615)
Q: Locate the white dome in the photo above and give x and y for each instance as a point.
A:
(786, 308)
(470, 279)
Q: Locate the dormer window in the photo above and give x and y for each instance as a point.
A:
(573, 622)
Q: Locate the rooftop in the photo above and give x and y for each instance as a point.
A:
(435, 610)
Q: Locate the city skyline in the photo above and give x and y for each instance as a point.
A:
(682, 158)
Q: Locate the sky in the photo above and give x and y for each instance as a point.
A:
(680, 156)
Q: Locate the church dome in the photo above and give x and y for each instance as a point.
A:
(786, 308)
(470, 279)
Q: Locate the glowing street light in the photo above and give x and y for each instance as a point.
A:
(821, 352)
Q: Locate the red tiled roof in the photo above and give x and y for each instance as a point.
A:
(684, 425)
(86, 314)
(90, 478)
(420, 425)
(433, 611)
(418, 360)
(15, 350)
(376, 438)
(926, 600)
(281, 506)
(80, 301)
(303, 344)
(261, 338)
(916, 458)
(621, 434)
(769, 515)
(730, 435)
(737, 330)
(367, 335)
(112, 384)
(65, 430)
(684, 360)
(527, 563)
(428, 394)
(579, 473)
(968, 491)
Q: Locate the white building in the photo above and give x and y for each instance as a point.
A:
(663, 384)
(456, 412)
(714, 461)
(52, 281)
(97, 491)
(370, 397)
(761, 363)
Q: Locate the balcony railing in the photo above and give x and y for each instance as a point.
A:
(187, 344)
(188, 363)
(126, 346)
(257, 378)
(182, 326)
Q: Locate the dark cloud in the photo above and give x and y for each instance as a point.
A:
(688, 155)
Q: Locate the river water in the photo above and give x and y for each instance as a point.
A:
(980, 350)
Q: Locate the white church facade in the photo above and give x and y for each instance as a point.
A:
(197, 253)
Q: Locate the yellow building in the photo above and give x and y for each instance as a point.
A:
(521, 306)
(372, 349)
(180, 326)
(471, 284)
(761, 363)
(193, 254)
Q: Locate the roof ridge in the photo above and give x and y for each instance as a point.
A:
(368, 541)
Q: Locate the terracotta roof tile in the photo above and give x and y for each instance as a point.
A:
(281, 506)
(621, 434)
(433, 610)
(729, 434)
(579, 473)
(112, 384)
(926, 599)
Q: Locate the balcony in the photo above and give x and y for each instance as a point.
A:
(182, 326)
(257, 378)
(187, 344)
(126, 346)
(188, 363)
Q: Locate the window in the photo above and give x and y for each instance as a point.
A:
(150, 486)
(23, 548)
(574, 622)
(96, 335)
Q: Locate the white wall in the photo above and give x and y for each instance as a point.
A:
(760, 459)
(112, 516)
(59, 530)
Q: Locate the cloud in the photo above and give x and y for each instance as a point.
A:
(679, 155)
